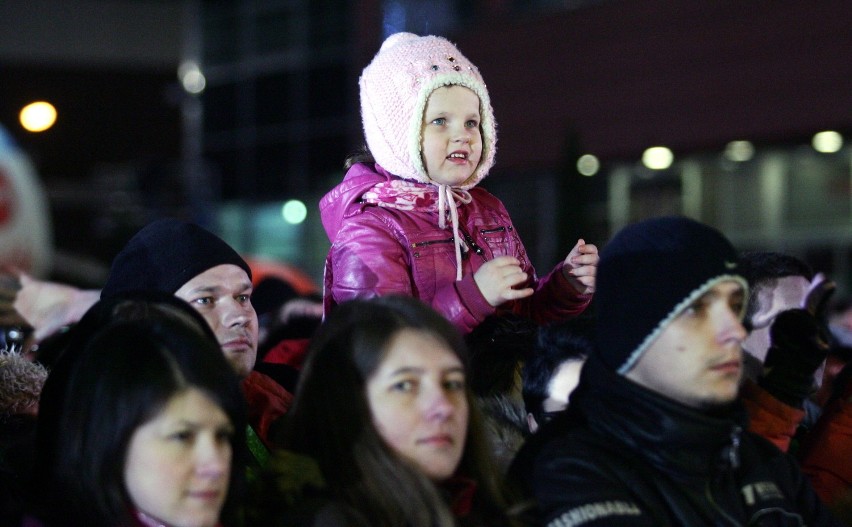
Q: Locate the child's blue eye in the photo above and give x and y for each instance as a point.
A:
(472, 124)
(439, 121)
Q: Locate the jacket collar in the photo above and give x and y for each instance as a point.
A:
(337, 204)
(674, 438)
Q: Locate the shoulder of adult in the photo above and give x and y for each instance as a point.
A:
(578, 480)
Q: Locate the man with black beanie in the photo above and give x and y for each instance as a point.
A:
(190, 262)
(195, 265)
(655, 434)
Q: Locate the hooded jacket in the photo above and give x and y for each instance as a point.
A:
(627, 456)
(379, 250)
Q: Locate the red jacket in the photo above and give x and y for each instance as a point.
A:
(266, 401)
(378, 251)
(768, 417)
(827, 451)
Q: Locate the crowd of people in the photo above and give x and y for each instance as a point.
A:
(439, 381)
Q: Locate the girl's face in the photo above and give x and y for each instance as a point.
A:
(418, 402)
(452, 143)
(178, 464)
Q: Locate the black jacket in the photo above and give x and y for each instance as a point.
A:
(623, 455)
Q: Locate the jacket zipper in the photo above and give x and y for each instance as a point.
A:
(492, 231)
(472, 244)
(414, 245)
(731, 456)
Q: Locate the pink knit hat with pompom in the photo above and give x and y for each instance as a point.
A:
(394, 89)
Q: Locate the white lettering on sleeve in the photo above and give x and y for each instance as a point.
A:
(594, 511)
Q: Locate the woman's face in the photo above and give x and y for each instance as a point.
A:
(418, 402)
(178, 464)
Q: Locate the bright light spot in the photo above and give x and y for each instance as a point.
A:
(191, 78)
(657, 158)
(294, 212)
(827, 142)
(739, 151)
(38, 116)
(588, 165)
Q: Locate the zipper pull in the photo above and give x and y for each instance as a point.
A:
(472, 244)
(732, 451)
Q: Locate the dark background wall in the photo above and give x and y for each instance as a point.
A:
(692, 75)
(607, 77)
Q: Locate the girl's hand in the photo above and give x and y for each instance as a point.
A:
(581, 266)
(497, 278)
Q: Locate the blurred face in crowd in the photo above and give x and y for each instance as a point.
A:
(177, 467)
(697, 358)
(774, 297)
(842, 319)
(452, 143)
(418, 402)
(222, 295)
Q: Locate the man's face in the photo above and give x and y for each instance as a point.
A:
(222, 295)
(697, 359)
(773, 298)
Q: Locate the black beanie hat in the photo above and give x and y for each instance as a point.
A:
(648, 274)
(166, 254)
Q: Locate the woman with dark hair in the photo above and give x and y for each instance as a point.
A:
(141, 421)
(384, 416)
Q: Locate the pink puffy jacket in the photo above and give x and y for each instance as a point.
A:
(378, 251)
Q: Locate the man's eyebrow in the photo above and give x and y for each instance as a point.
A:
(205, 289)
(707, 295)
(215, 288)
(713, 294)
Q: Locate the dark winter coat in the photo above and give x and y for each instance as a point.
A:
(624, 455)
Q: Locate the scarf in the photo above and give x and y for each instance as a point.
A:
(407, 195)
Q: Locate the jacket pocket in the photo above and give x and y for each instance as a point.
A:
(500, 239)
(433, 263)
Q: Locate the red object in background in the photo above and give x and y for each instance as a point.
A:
(290, 352)
(298, 279)
(7, 198)
(833, 366)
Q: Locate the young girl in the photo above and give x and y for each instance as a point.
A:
(411, 222)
